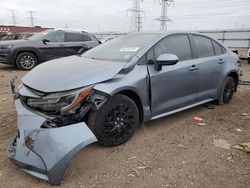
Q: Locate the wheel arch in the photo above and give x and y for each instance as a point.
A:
(235, 76)
(29, 50)
(136, 98)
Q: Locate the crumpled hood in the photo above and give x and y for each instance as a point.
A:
(70, 73)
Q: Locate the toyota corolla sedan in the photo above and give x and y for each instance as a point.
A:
(102, 95)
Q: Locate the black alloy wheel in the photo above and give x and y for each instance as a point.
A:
(116, 121)
(229, 90)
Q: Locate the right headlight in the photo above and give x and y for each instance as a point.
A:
(63, 102)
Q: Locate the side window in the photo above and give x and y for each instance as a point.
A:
(148, 58)
(223, 49)
(142, 61)
(86, 38)
(217, 48)
(204, 46)
(74, 37)
(177, 44)
(55, 37)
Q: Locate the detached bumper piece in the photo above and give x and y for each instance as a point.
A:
(46, 152)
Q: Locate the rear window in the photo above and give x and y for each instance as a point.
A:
(86, 38)
(204, 47)
(74, 37)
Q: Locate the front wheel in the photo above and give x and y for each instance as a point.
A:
(227, 91)
(26, 61)
(115, 122)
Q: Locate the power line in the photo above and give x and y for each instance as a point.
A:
(136, 23)
(31, 17)
(13, 16)
(164, 10)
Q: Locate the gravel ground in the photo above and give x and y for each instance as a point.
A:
(169, 152)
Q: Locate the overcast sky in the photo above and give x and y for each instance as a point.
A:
(111, 15)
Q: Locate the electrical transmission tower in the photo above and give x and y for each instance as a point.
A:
(31, 17)
(13, 16)
(164, 10)
(136, 23)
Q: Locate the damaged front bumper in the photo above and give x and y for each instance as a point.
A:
(46, 152)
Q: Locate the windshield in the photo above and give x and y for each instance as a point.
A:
(38, 36)
(121, 49)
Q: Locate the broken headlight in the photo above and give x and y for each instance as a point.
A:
(60, 103)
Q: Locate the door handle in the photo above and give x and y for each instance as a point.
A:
(221, 61)
(193, 68)
(61, 45)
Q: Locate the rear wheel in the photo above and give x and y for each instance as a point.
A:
(227, 91)
(26, 61)
(115, 122)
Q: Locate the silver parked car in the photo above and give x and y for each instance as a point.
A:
(102, 95)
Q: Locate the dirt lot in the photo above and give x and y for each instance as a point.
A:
(170, 152)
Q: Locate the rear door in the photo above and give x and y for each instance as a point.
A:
(210, 60)
(76, 41)
(174, 86)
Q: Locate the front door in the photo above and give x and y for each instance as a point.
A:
(55, 48)
(174, 86)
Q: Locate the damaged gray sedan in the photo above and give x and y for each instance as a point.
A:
(66, 104)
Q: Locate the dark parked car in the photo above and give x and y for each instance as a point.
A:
(44, 46)
(102, 95)
(2, 34)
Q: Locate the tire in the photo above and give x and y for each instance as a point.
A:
(115, 122)
(26, 61)
(227, 90)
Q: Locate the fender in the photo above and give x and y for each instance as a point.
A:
(230, 72)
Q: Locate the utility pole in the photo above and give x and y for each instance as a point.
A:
(136, 23)
(31, 17)
(66, 26)
(13, 16)
(164, 10)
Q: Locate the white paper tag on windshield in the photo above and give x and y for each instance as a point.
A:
(129, 49)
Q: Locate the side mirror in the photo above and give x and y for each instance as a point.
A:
(165, 59)
(45, 41)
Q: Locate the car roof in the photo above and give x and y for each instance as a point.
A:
(163, 34)
(168, 32)
(71, 31)
(66, 31)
